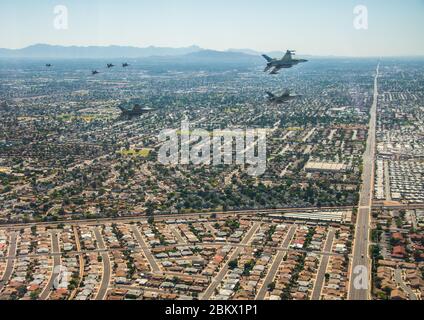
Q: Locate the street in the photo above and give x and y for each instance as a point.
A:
(10, 260)
(56, 264)
(361, 242)
(319, 282)
(149, 256)
(221, 274)
(275, 265)
(101, 294)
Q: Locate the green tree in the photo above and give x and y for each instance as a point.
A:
(233, 264)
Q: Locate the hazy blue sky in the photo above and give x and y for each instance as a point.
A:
(310, 26)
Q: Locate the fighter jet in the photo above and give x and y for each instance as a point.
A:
(285, 63)
(94, 72)
(124, 65)
(285, 97)
(48, 65)
(110, 65)
(133, 109)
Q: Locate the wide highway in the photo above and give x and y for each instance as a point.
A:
(361, 242)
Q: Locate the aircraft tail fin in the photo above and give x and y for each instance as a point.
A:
(267, 58)
(122, 108)
(288, 56)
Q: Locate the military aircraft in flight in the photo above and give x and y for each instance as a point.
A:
(124, 65)
(110, 65)
(285, 97)
(94, 72)
(133, 109)
(285, 63)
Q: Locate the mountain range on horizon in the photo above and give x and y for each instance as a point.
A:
(47, 51)
(111, 52)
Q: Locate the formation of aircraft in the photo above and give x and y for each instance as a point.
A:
(284, 63)
(128, 109)
(275, 65)
(285, 97)
(94, 72)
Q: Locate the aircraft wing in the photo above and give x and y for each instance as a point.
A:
(267, 58)
(270, 95)
(276, 69)
(121, 107)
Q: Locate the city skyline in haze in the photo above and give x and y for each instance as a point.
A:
(311, 27)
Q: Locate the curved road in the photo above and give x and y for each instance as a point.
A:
(56, 264)
(101, 295)
(403, 286)
(10, 260)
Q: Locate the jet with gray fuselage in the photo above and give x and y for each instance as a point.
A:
(286, 62)
(285, 97)
(133, 108)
